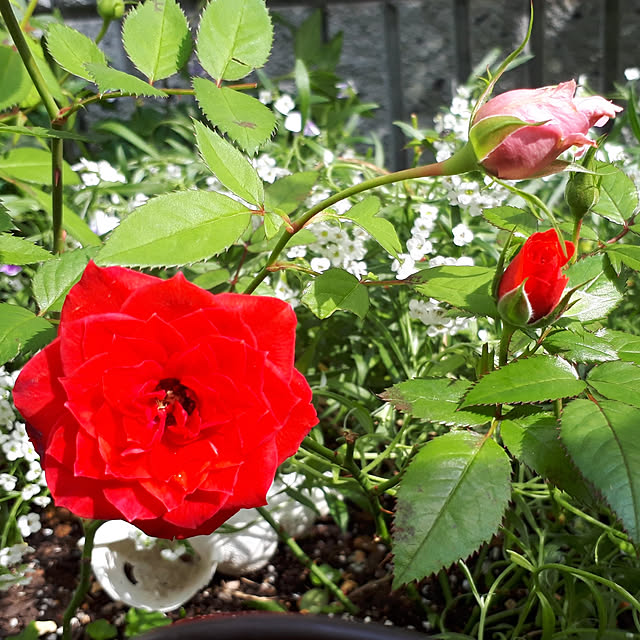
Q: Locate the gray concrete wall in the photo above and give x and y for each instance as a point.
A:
(571, 32)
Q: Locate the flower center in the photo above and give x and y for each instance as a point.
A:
(174, 392)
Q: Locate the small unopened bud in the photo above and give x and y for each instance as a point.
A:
(111, 9)
(583, 189)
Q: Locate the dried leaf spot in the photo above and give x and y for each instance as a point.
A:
(244, 123)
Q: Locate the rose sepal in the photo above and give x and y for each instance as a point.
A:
(514, 307)
(489, 133)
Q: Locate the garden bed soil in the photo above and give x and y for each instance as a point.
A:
(365, 567)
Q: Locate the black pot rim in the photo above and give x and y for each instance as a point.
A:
(277, 626)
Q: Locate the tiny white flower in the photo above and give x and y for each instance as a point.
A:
(29, 524)
(138, 200)
(30, 490)
(293, 122)
(404, 266)
(320, 265)
(41, 501)
(101, 222)
(7, 482)
(418, 247)
(632, 73)
(462, 235)
(265, 96)
(284, 104)
(327, 157)
(311, 129)
(297, 252)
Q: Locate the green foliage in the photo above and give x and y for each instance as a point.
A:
(138, 621)
(335, 290)
(109, 79)
(436, 400)
(234, 37)
(467, 288)
(73, 50)
(364, 215)
(15, 250)
(618, 194)
(14, 78)
(601, 438)
(33, 165)
(53, 279)
(101, 629)
(243, 118)
(177, 228)
(438, 515)
(157, 39)
(536, 379)
(511, 218)
(21, 331)
(229, 165)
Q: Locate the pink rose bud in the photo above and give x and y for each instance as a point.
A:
(519, 134)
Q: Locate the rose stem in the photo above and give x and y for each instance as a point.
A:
(305, 560)
(460, 162)
(348, 464)
(52, 110)
(90, 528)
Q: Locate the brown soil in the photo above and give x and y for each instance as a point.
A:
(364, 565)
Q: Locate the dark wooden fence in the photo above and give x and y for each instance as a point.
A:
(408, 55)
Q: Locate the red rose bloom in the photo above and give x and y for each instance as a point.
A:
(162, 404)
(539, 265)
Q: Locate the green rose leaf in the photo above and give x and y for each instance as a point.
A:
(436, 400)
(617, 381)
(229, 165)
(382, 231)
(14, 79)
(335, 290)
(467, 288)
(243, 118)
(601, 293)
(176, 229)
(15, 250)
(535, 441)
(21, 331)
(72, 50)
(535, 379)
(602, 439)
(627, 254)
(510, 218)
(234, 37)
(451, 500)
(53, 279)
(109, 79)
(33, 165)
(579, 345)
(618, 194)
(156, 37)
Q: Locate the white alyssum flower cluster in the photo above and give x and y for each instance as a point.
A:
(93, 173)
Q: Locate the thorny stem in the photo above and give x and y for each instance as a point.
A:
(349, 465)
(52, 110)
(461, 162)
(305, 560)
(90, 528)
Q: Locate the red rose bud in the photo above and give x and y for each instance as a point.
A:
(162, 404)
(519, 134)
(532, 285)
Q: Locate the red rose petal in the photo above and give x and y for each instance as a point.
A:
(169, 299)
(101, 290)
(272, 321)
(39, 396)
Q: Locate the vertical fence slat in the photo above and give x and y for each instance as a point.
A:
(610, 44)
(536, 44)
(462, 34)
(394, 80)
